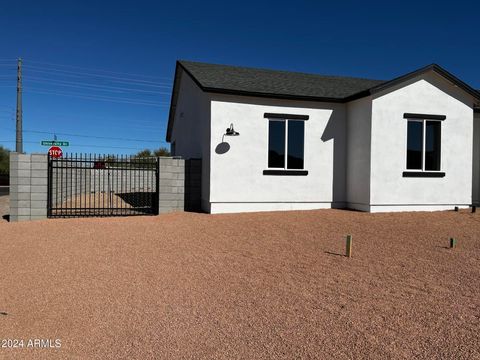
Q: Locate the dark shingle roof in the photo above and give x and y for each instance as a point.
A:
(222, 78)
(290, 85)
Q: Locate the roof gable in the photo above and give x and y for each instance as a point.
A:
(433, 67)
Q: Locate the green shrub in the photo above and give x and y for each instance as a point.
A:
(4, 161)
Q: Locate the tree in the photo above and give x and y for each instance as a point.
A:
(144, 153)
(4, 161)
(149, 153)
(163, 151)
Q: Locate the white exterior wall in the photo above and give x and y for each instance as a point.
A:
(237, 182)
(428, 94)
(359, 114)
(476, 160)
(191, 130)
(355, 153)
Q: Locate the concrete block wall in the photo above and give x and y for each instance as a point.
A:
(28, 186)
(179, 185)
(171, 184)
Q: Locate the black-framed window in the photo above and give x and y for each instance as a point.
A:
(423, 145)
(415, 145)
(276, 144)
(286, 143)
(433, 145)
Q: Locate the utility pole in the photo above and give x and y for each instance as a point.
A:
(19, 139)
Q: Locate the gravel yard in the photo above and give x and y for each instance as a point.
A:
(244, 286)
(4, 207)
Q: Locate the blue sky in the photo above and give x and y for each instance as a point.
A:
(105, 68)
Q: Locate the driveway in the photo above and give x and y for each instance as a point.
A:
(246, 286)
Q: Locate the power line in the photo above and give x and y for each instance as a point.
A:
(86, 145)
(138, 88)
(90, 86)
(145, 82)
(141, 128)
(44, 113)
(98, 98)
(85, 136)
(128, 82)
(77, 117)
(93, 96)
(99, 70)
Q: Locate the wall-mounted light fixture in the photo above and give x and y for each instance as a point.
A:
(231, 131)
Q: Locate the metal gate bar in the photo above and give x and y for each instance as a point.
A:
(102, 185)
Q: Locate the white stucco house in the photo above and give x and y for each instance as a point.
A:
(309, 142)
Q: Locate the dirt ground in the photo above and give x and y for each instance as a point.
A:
(243, 286)
(93, 200)
(4, 207)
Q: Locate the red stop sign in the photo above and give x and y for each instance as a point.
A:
(55, 152)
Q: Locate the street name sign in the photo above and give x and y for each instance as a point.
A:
(55, 143)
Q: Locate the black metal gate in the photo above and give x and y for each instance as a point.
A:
(102, 185)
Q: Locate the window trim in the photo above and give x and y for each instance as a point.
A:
(423, 172)
(284, 170)
(423, 116)
(285, 116)
(430, 174)
(279, 172)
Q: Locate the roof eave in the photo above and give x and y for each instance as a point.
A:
(271, 95)
(173, 102)
(433, 67)
(456, 81)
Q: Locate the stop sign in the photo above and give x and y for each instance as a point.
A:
(55, 152)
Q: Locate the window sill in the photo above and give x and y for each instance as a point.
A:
(286, 172)
(424, 174)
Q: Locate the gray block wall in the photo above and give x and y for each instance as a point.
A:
(179, 185)
(171, 184)
(28, 186)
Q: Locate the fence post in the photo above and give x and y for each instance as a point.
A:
(348, 252)
(453, 243)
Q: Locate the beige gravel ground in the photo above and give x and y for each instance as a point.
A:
(248, 286)
(4, 207)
